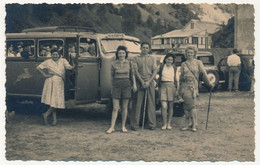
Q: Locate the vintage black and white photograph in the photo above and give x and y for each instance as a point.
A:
(146, 82)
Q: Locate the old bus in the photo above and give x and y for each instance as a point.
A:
(94, 52)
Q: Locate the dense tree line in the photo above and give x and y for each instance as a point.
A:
(104, 18)
(224, 38)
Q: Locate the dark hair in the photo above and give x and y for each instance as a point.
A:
(56, 50)
(145, 43)
(121, 48)
(169, 55)
(235, 51)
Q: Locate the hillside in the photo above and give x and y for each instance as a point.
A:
(140, 20)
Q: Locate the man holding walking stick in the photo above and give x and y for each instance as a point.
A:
(145, 70)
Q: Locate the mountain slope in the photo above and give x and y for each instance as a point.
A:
(140, 20)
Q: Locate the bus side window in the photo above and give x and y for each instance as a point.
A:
(45, 47)
(22, 48)
(88, 47)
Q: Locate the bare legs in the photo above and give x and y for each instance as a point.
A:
(47, 113)
(167, 122)
(190, 120)
(194, 119)
(116, 107)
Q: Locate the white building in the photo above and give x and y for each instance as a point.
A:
(197, 33)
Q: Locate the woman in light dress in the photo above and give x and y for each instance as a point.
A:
(190, 71)
(53, 70)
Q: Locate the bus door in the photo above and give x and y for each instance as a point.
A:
(87, 78)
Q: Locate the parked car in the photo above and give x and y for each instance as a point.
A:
(246, 75)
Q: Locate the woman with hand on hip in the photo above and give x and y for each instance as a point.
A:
(189, 79)
(167, 88)
(123, 81)
(53, 70)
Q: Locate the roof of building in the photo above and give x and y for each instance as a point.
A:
(202, 28)
(181, 33)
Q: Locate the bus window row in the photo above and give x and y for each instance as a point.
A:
(26, 48)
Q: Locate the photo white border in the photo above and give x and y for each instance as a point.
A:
(3, 160)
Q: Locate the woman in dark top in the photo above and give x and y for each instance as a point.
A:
(123, 80)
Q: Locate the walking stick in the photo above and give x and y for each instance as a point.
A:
(145, 99)
(208, 108)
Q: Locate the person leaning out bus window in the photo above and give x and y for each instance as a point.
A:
(167, 88)
(53, 70)
(123, 80)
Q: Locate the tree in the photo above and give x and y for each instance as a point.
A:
(224, 38)
(149, 21)
(131, 17)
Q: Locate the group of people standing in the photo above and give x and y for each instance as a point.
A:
(135, 80)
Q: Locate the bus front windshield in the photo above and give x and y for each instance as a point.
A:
(110, 45)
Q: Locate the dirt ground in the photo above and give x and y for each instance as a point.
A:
(80, 135)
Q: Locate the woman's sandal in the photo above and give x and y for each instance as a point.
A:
(194, 129)
(184, 129)
(124, 130)
(110, 130)
(164, 127)
(54, 123)
(45, 120)
(169, 127)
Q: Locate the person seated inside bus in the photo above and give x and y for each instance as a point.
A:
(92, 50)
(72, 53)
(27, 52)
(84, 50)
(54, 46)
(42, 50)
(19, 50)
(10, 51)
(45, 51)
(48, 51)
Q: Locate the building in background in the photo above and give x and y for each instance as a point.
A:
(196, 33)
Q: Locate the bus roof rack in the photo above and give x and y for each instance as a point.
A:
(60, 29)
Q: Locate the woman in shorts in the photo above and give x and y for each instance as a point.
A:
(167, 88)
(123, 81)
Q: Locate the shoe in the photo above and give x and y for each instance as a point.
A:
(124, 130)
(54, 123)
(184, 129)
(169, 127)
(134, 128)
(152, 128)
(164, 127)
(110, 130)
(45, 120)
(194, 129)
